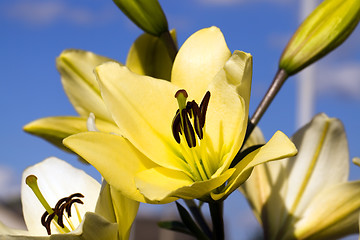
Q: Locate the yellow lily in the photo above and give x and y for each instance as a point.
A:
(307, 196)
(148, 56)
(164, 154)
(95, 212)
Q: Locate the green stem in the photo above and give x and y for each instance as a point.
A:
(216, 212)
(199, 217)
(170, 44)
(276, 85)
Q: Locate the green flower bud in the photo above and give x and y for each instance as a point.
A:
(146, 14)
(322, 31)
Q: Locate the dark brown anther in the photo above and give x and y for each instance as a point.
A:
(195, 110)
(68, 206)
(188, 129)
(203, 108)
(46, 219)
(176, 127)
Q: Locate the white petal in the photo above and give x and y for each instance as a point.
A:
(322, 161)
(56, 179)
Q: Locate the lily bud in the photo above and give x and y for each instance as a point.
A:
(146, 14)
(322, 31)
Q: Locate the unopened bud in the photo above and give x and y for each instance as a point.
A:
(322, 31)
(146, 14)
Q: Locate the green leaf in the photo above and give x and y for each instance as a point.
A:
(189, 222)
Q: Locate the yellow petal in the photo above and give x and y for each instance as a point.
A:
(77, 76)
(55, 129)
(115, 207)
(161, 183)
(333, 213)
(278, 147)
(226, 119)
(198, 61)
(114, 157)
(149, 56)
(143, 108)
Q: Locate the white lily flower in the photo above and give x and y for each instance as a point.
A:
(307, 196)
(57, 179)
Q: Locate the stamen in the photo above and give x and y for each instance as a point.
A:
(181, 122)
(188, 129)
(176, 126)
(65, 204)
(194, 112)
(203, 108)
(46, 219)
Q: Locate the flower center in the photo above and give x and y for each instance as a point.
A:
(188, 127)
(56, 215)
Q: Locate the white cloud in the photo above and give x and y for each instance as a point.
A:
(43, 13)
(339, 80)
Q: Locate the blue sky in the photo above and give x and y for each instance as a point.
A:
(35, 32)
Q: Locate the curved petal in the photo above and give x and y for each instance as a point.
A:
(322, 161)
(55, 129)
(143, 108)
(125, 211)
(115, 207)
(77, 76)
(278, 147)
(227, 114)
(149, 56)
(56, 179)
(114, 157)
(198, 61)
(333, 213)
(161, 183)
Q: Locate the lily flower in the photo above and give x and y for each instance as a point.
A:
(76, 68)
(61, 202)
(170, 146)
(307, 196)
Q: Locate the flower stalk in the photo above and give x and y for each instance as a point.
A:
(276, 85)
(217, 212)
